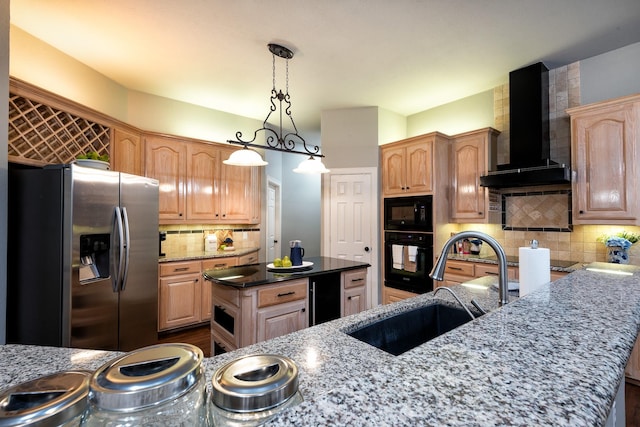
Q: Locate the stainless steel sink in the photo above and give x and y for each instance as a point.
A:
(404, 331)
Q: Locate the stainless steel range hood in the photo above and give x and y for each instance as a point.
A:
(529, 144)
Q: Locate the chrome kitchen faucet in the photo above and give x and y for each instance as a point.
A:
(437, 273)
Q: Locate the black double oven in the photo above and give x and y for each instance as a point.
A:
(408, 243)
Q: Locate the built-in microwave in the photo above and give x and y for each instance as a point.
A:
(408, 213)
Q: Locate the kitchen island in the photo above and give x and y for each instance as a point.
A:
(554, 357)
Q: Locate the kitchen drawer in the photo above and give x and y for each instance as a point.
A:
(460, 268)
(251, 258)
(291, 291)
(175, 268)
(215, 263)
(492, 270)
(354, 278)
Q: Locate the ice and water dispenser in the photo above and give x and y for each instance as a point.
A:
(94, 256)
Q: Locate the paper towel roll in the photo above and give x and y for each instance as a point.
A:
(534, 268)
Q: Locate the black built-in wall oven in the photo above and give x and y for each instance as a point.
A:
(408, 247)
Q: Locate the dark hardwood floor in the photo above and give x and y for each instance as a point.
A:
(200, 336)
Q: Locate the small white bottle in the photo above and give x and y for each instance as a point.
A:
(210, 243)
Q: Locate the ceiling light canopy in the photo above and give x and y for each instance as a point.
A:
(278, 140)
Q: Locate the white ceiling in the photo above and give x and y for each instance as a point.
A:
(404, 55)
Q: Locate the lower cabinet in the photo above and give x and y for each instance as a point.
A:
(180, 290)
(391, 295)
(184, 297)
(354, 291)
(245, 316)
(632, 370)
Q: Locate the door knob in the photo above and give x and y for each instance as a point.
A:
(366, 248)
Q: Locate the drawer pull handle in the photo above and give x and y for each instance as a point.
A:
(220, 265)
(455, 268)
(286, 294)
(181, 269)
(491, 273)
(357, 280)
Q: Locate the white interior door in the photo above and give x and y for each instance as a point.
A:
(273, 220)
(351, 221)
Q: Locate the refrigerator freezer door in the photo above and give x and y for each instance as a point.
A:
(139, 294)
(93, 196)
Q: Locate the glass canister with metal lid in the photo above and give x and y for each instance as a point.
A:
(161, 385)
(251, 390)
(56, 400)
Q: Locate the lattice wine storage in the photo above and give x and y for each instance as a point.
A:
(41, 134)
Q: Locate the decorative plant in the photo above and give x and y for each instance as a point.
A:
(623, 239)
(93, 155)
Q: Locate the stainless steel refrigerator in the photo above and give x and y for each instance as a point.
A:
(83, 258)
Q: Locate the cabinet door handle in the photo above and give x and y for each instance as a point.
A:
(286, 294)
(303, 310)
(490, 273)
(581, 212)
(181, 269)
(349, 298)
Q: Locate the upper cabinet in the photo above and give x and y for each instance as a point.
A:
(471, 152)
(407, 166)
(604, 161)
(195, 186)
(165, 160)
(127, 151)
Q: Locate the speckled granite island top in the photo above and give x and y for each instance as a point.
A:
(554, 357)
(259, 274)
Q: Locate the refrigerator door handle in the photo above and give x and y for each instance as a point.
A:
(121, 249)
(127, 249)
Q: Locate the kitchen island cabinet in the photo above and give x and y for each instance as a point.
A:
(605, 162)
(559, 353)
(253, 303)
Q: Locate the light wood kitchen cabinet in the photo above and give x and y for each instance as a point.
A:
(354, 291)
(238, 193)
(407, 166)
(391, 295)
(166, 161)
(632, 370)
(604, 161)
(282, 309)
(472, 155)
(457, 272)
(127, 151)
(180, 285)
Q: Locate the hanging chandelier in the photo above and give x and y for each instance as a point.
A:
(278, 140)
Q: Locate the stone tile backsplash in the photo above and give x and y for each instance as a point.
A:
(191, 238)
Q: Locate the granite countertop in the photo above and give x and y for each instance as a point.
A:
(554, 357)
(260, 274)
(201, 254)
(556, 265)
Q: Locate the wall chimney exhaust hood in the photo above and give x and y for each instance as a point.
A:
(529, 144)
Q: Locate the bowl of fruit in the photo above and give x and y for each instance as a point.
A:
(285, 263)
(93, 160)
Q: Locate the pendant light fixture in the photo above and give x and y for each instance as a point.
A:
(278, 140)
